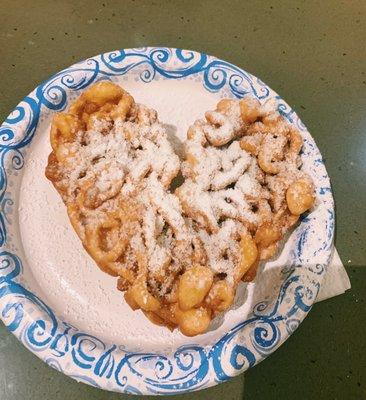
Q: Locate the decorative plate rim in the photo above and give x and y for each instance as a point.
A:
(191, 367)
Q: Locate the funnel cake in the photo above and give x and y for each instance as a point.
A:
(179, 256)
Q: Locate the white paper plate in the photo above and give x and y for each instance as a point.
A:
(69, 313)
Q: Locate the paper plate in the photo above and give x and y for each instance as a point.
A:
(66, 311)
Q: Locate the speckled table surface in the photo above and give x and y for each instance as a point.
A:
(312, 53)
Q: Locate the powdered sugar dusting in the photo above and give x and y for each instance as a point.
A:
(115, 180)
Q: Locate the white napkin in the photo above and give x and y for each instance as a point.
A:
(336, 280)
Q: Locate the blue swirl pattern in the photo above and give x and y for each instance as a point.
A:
(87, 358)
